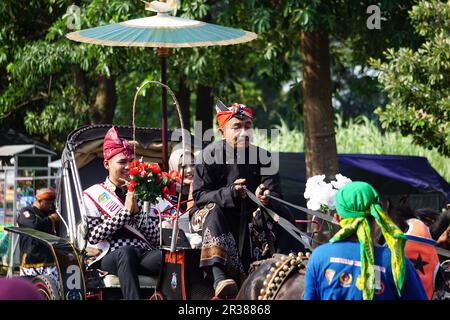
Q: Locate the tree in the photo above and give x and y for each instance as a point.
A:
(56, 84)
(417, 81)
(320, 141)
(19, 24)
(207, 71)
(346, 22)
(62, 84)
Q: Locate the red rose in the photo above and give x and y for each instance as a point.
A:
(164, 175)
(174, 175)
(134, 171)
(165, 178)
(131, 185)
(133, 163)
(165, 190)
(173, 189)
(155, 168)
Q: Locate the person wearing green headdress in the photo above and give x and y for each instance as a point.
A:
(352, 266)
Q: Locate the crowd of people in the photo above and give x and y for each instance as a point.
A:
(379, 253)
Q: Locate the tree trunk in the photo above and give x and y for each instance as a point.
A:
(320, 141)
(79, 79)
(204, 107)
(105, 100)
(184, 98)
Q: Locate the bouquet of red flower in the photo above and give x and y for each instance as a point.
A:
(149, 182)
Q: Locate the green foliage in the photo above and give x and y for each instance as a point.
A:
(361, 135)
(40, 68)
(52, 81)
(286, 139)
(417, 82)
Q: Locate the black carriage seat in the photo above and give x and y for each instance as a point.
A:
(151, 282)
(87, 144)
(110, 280)
(91, 171)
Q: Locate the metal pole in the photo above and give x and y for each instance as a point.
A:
(163, 53)
(77, 183)
(69, 205)
(4, 197)
(183, 139)
(79, 193)
(15, 191)
(61, 186)
(73, 223)
(13, 237)
(66, 196)
(48, 171)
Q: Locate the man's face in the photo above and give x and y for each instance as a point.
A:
(117, 168)
(237, 132)
(47, 206)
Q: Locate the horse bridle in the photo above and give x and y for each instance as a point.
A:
(280, 272)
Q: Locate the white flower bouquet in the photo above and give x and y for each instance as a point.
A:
(322, 195)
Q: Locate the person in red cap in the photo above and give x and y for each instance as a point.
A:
(36, 258)
(121, 240)
(234, 233)
(420, 246)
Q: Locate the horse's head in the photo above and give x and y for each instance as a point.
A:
(280, 277)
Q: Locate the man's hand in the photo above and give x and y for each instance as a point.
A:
(444, 238)
(124, 183)
(262, 193)
(239, 188)
(131, 203)
(54, 217)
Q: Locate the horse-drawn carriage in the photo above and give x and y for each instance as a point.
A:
(82, 166)
(179, 277)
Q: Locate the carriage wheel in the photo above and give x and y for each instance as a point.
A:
(47, 287)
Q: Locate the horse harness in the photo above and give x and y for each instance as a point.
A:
(279, 273)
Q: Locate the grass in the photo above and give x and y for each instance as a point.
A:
(359, 135)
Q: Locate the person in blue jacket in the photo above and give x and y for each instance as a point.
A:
(351, 267)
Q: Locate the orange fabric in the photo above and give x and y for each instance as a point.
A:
(45, 194)
(423, 255)
(418, 228)
(223, 117)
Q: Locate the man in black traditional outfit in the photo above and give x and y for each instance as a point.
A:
(119, 241)
(36, 257)
(234, 232)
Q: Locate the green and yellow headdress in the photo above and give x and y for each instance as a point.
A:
(355, 202)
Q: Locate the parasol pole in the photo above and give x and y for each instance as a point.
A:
(163, 53)
(183, 141)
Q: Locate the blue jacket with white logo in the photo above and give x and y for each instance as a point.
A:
(334, 269)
